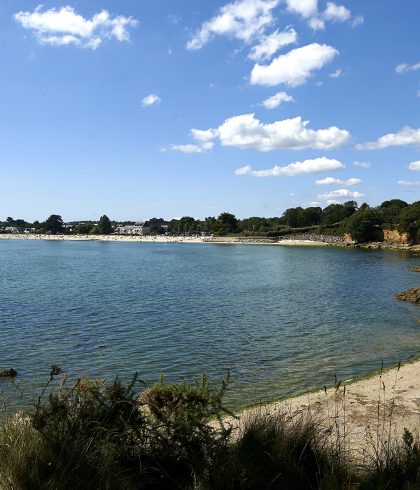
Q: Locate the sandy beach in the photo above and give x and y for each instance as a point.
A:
(369, 410)
(286, 242)
(165, 239)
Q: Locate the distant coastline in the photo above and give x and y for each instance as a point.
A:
(292, 241)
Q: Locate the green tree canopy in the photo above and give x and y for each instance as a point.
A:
(390, 210)
(54, 224)
(362, 225)
(225, 223)
(104, 226)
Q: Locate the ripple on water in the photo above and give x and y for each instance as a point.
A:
(280, 319)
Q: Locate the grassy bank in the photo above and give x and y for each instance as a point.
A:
(94, 435)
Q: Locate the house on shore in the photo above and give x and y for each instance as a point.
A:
(138, 229)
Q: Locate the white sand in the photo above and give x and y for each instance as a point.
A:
(162, 239)
(381, 405)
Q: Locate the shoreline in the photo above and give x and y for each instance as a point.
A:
(380, 404)
(292, 242)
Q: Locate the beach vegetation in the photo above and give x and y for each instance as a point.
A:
(104, 226)
(54, 224)
(90, 434)
(363, 225)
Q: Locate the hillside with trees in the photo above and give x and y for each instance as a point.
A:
(362, 223)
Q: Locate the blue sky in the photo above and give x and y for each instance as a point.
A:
(171, 108)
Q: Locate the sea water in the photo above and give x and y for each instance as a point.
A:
(279, 319)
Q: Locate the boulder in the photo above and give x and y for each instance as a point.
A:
(412, 295)
(7, 373)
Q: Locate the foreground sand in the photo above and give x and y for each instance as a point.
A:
(365, 409)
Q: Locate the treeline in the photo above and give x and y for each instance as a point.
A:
(362, 223)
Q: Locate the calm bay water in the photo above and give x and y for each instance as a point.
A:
(279, 318)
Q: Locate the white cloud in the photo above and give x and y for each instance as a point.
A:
(336, 74)
(414, 165)
(308, 9)
(409, 183)
(192, 148)
(244, 20)
(151, 99)
(333, 181)
(204, 142)
(340, 194)
(404, 68)
(362, 164)
(358, 21)
(316, 165)
(269, 45)
(406, 136)
(277, 99)
(65, 26)
(336, 13)
(246, 131)
(203, 135)
(295, 67)
(305, 8)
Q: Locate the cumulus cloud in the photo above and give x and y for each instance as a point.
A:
(305, 8)
(333, 181)
(277, 99)
(308, 10)
(192, 148)
(64, 26)
(244, 20)
(409, 183)
(151, 99)
(295, 67)
(414, 165)
(362, 164)
(358, 21)
(203, 135)
(268, 45)
(336, 13)
(246, 131)
(203, 143)
(315, 165)
(340, 194)
(406, 136)
(336, 74)
(404, 68)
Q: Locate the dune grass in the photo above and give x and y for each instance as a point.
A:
(95, 435)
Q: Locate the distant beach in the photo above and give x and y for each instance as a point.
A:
(294, 241)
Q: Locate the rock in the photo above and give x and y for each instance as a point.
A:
(7, 373)
(412, 295)
(416, 268)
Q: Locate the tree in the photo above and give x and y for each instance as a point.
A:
(104, 226)
(226, 223)
(362, 225)
(292, 216)
(390, 210)
(83, 228)
(54, 224)
(409, 221)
